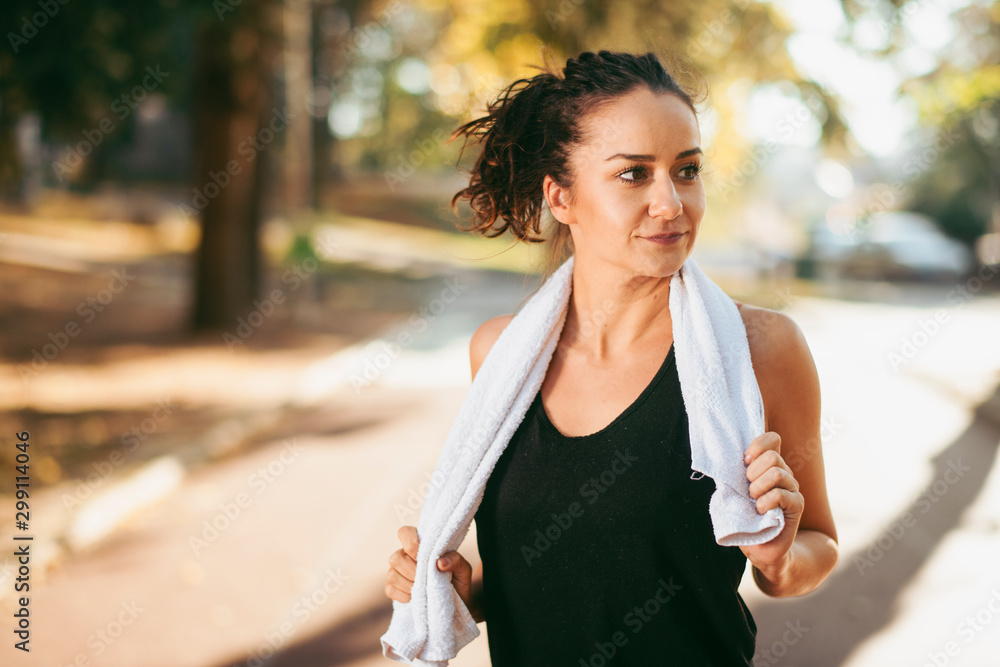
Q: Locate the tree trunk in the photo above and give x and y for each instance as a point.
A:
(298, 65)
(11, 169)
(234, 125)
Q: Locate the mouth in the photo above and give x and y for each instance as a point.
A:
(666, 239)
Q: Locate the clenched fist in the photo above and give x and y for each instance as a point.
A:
(403, 569)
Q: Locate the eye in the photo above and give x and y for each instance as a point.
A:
(638, 172)
(692, 170)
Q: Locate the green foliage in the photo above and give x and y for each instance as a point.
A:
(301, 249)
(72, 66)
(962, 91)
(957, 192)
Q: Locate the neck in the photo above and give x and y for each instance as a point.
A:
(611, 310)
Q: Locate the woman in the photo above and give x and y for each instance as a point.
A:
(613, 147)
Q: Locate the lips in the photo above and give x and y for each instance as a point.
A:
(668, 239)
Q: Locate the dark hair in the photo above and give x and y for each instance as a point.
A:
(529, 131)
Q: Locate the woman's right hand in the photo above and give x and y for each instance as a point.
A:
(403, 570)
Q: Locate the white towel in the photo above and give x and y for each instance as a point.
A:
(725, 413)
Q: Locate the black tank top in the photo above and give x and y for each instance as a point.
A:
(599, 549)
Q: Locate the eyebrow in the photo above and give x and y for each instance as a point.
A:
(649, 158)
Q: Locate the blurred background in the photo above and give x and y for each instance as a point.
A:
(236, 304)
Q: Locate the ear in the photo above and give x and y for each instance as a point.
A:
(558, 199)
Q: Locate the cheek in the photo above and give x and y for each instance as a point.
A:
(620, 213)
(694, 201)
(619, 204)
(600, 204)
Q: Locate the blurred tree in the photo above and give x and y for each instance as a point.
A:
(390, 78)
(76, 66)
(256, 82)
(958, 97)
(445, 59)
(728, 42)
(89, 65)
(235, 121)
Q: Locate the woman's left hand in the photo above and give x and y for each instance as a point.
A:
(772, 484)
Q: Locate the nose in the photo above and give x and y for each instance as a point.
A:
(665, 202)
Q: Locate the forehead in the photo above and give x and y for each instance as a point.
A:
(641, 121)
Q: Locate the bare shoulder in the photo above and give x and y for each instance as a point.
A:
(769, 332)
(483, 339)
(781, 357)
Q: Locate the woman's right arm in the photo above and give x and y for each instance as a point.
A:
(468, 582)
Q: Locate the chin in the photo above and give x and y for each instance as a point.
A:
(660, 269)
(670, 264)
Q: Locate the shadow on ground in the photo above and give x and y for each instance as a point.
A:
(860, 598)
(352, 639)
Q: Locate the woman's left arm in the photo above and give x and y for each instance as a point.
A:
(785, 464)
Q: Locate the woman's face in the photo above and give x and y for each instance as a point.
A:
(637, 198)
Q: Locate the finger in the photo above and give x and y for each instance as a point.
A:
(407, 566)
(408, 538)
(460, 568)
(762, 443)
(402, 562)
(773, 478)
(789, 501)
(394, 593)
(398, 581)
(764, 462)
